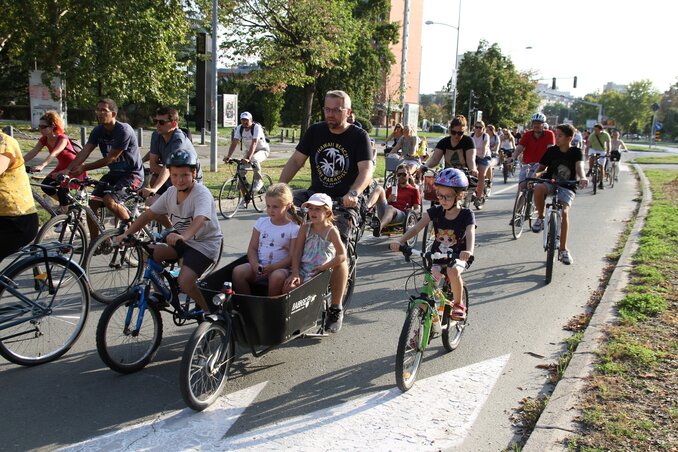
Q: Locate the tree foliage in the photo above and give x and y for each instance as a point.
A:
(506, 96)
(312, 44)
(125, 50)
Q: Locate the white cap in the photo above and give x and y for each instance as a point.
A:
(246, 115)
(319, 199)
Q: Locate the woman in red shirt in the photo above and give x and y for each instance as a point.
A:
(59, 147)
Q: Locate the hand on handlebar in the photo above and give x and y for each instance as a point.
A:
(174, 237)
(465, 255)
(349, 201)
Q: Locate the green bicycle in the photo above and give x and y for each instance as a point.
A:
(422, 311)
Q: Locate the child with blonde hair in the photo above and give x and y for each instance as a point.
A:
(319, 246)
(269, 251)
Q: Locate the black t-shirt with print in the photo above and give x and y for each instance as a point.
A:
(561, 165)
(455, 156)
(334, 157)
(450, 235)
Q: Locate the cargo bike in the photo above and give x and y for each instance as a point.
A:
(255, 322)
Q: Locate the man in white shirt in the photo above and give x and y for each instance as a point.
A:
(256, 147)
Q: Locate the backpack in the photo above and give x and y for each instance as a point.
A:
(187, 132)
(75, 144)
(263, 129)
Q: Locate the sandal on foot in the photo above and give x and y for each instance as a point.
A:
(458, 312)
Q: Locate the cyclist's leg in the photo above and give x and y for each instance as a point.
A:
(482, 171)
(456, 282)
(603, 162)
(17, 232)
(257, 159)
(115, 200)
(539, 197)
(194, 264)
(566, 197)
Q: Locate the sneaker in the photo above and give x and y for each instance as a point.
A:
(565, 257)
(376, 227)
(242, 205)
(537, 225)
(335, 318)
(600, 186)
(616, 178)
(258, 185)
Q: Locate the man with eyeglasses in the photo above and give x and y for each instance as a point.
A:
(120, 152)
(392, 204)
(341, 166)
(256, 146)
(458, 149)
(166, 139)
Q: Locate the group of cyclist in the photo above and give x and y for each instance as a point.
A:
(342, 165)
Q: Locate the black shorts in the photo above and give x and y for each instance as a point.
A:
(17, 232)
(114, 184)
(192, 258)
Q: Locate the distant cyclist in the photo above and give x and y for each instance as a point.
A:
(599, 147)
(120, 152)
(256, 148)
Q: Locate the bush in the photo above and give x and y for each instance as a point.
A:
(367, 125)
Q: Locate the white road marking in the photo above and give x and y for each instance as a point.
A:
(435, 414)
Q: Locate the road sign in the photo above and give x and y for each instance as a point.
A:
(658, 125)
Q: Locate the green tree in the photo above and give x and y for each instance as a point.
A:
(125, 50)
(297, 42)
(506, 96)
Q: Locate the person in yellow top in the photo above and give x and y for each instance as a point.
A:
(18, 216)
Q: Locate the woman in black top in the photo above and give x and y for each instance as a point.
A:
(458, 148)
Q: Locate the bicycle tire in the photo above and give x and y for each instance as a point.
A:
(350, 283)
(75, 235)
(229, 198)
(204, 369)
(505, 172)
(519, 208)
(112, 269)
(411, 346)
(594, 178)
(259, 199)
(424, 238)
(41, 339)
(122, 349)
(454, 329)
(410, 221)
(550, 246)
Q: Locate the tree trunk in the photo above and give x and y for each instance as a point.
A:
(309, 92)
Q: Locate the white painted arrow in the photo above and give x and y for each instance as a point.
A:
(435, 414)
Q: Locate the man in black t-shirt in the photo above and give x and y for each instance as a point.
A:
(561, 162)
(341, 166)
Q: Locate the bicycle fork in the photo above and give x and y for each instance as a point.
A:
(551, 212)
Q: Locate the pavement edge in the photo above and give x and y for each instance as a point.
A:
(558, 420)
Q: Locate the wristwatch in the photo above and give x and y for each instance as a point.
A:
(353, 193)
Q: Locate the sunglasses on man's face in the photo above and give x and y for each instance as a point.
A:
(457, 133)
(162, 122)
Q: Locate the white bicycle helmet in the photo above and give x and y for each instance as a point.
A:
(538, 117)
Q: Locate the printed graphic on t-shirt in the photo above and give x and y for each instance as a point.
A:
(180, 223)
(447, 239)
(268, 240)
(332, 163)
(563, 172)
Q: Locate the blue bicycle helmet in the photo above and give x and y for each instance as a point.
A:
(539, 117)
(182, 157)
(453, 178)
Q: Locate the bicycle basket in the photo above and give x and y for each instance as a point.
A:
(392, 163)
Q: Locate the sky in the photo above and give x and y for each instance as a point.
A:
(598, 41)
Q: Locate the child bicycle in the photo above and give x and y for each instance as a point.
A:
(432, 305)
(237, 192)
(130, 329)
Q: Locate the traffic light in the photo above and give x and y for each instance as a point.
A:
(553, 83)
(575, 82)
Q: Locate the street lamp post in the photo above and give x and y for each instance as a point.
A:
(456, 54)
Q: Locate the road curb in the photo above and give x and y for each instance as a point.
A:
(558, 420)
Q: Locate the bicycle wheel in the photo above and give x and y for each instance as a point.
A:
(550, 246)
(50, 300)
(229, 198)
(122, 345)
(205, 364)
(65, 229)
(112, 269)
(259, 198)
(453, 329)
(410, 221)
(411, 345)
(594, 178)
(519, 208)
(505, 171)
(350, 284)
